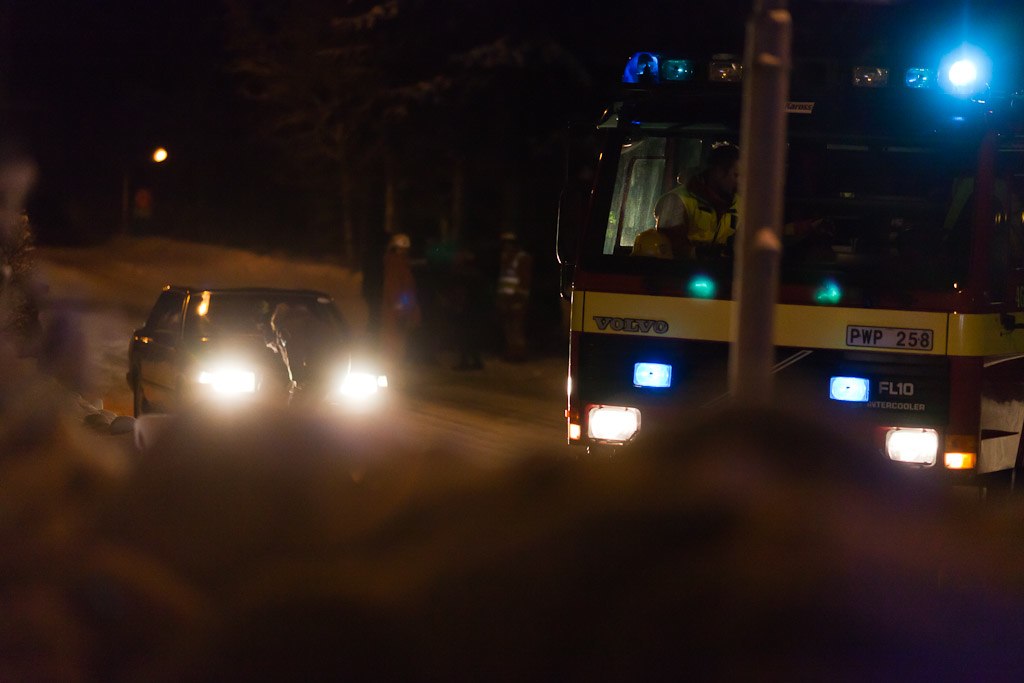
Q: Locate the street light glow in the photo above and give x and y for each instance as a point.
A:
(159, 155)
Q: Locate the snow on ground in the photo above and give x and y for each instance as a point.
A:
(107, 292)
(131, 272)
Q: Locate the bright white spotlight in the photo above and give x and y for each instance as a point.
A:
(963, 73)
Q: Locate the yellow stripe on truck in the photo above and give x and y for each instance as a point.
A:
(819, 327)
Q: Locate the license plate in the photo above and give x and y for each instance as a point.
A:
(890, 337)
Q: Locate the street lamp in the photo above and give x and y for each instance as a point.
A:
(128, 202)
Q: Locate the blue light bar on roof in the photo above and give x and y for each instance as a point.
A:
(652, 67)
(919, 78)
(965, 71)
(678, 70)
(870, 77)
(642, 67)
(725, 69)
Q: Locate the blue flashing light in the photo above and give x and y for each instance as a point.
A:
(829, 294)
(919, 78)
(965, 71)
(652, 375)
(678, 70)
(851, 389)
(701, 287)
(642, 67)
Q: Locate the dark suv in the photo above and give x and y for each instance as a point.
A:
(232, 345)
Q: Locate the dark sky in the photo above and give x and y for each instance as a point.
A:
(98, 47)
(112, 68)
(89, 57)
(95, 84)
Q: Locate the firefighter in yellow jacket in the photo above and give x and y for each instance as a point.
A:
(701, 214)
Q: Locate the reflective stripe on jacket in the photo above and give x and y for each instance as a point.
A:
(510, 280)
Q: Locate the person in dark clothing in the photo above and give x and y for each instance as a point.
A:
(400, 306)
(468, 300)
(513, 295)
(373, 279)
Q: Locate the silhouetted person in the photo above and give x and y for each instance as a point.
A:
(372, 287)
(468, 300)
(400, 307)
(515, 276)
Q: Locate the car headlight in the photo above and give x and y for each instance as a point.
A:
(361, 385)
(229, 381)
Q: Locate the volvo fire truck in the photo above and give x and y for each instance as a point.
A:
(902, 307)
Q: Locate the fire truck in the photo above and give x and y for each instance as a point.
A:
(901, 291)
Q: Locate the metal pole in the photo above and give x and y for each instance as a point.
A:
(766, 68)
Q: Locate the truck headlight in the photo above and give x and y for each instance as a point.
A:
(918, 446)
(229, 381)
(613, 423)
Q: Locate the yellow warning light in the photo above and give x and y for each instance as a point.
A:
(960, 461)
(961, 452)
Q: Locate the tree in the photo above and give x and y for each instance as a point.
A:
(403, 92)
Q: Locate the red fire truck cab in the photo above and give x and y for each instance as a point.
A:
(901, 300)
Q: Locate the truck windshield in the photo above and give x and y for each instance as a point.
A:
(877, 211)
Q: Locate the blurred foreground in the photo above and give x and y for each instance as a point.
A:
(269, 545)
(275, 545)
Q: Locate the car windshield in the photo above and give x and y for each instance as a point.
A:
(222, 314)
(878, 211)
